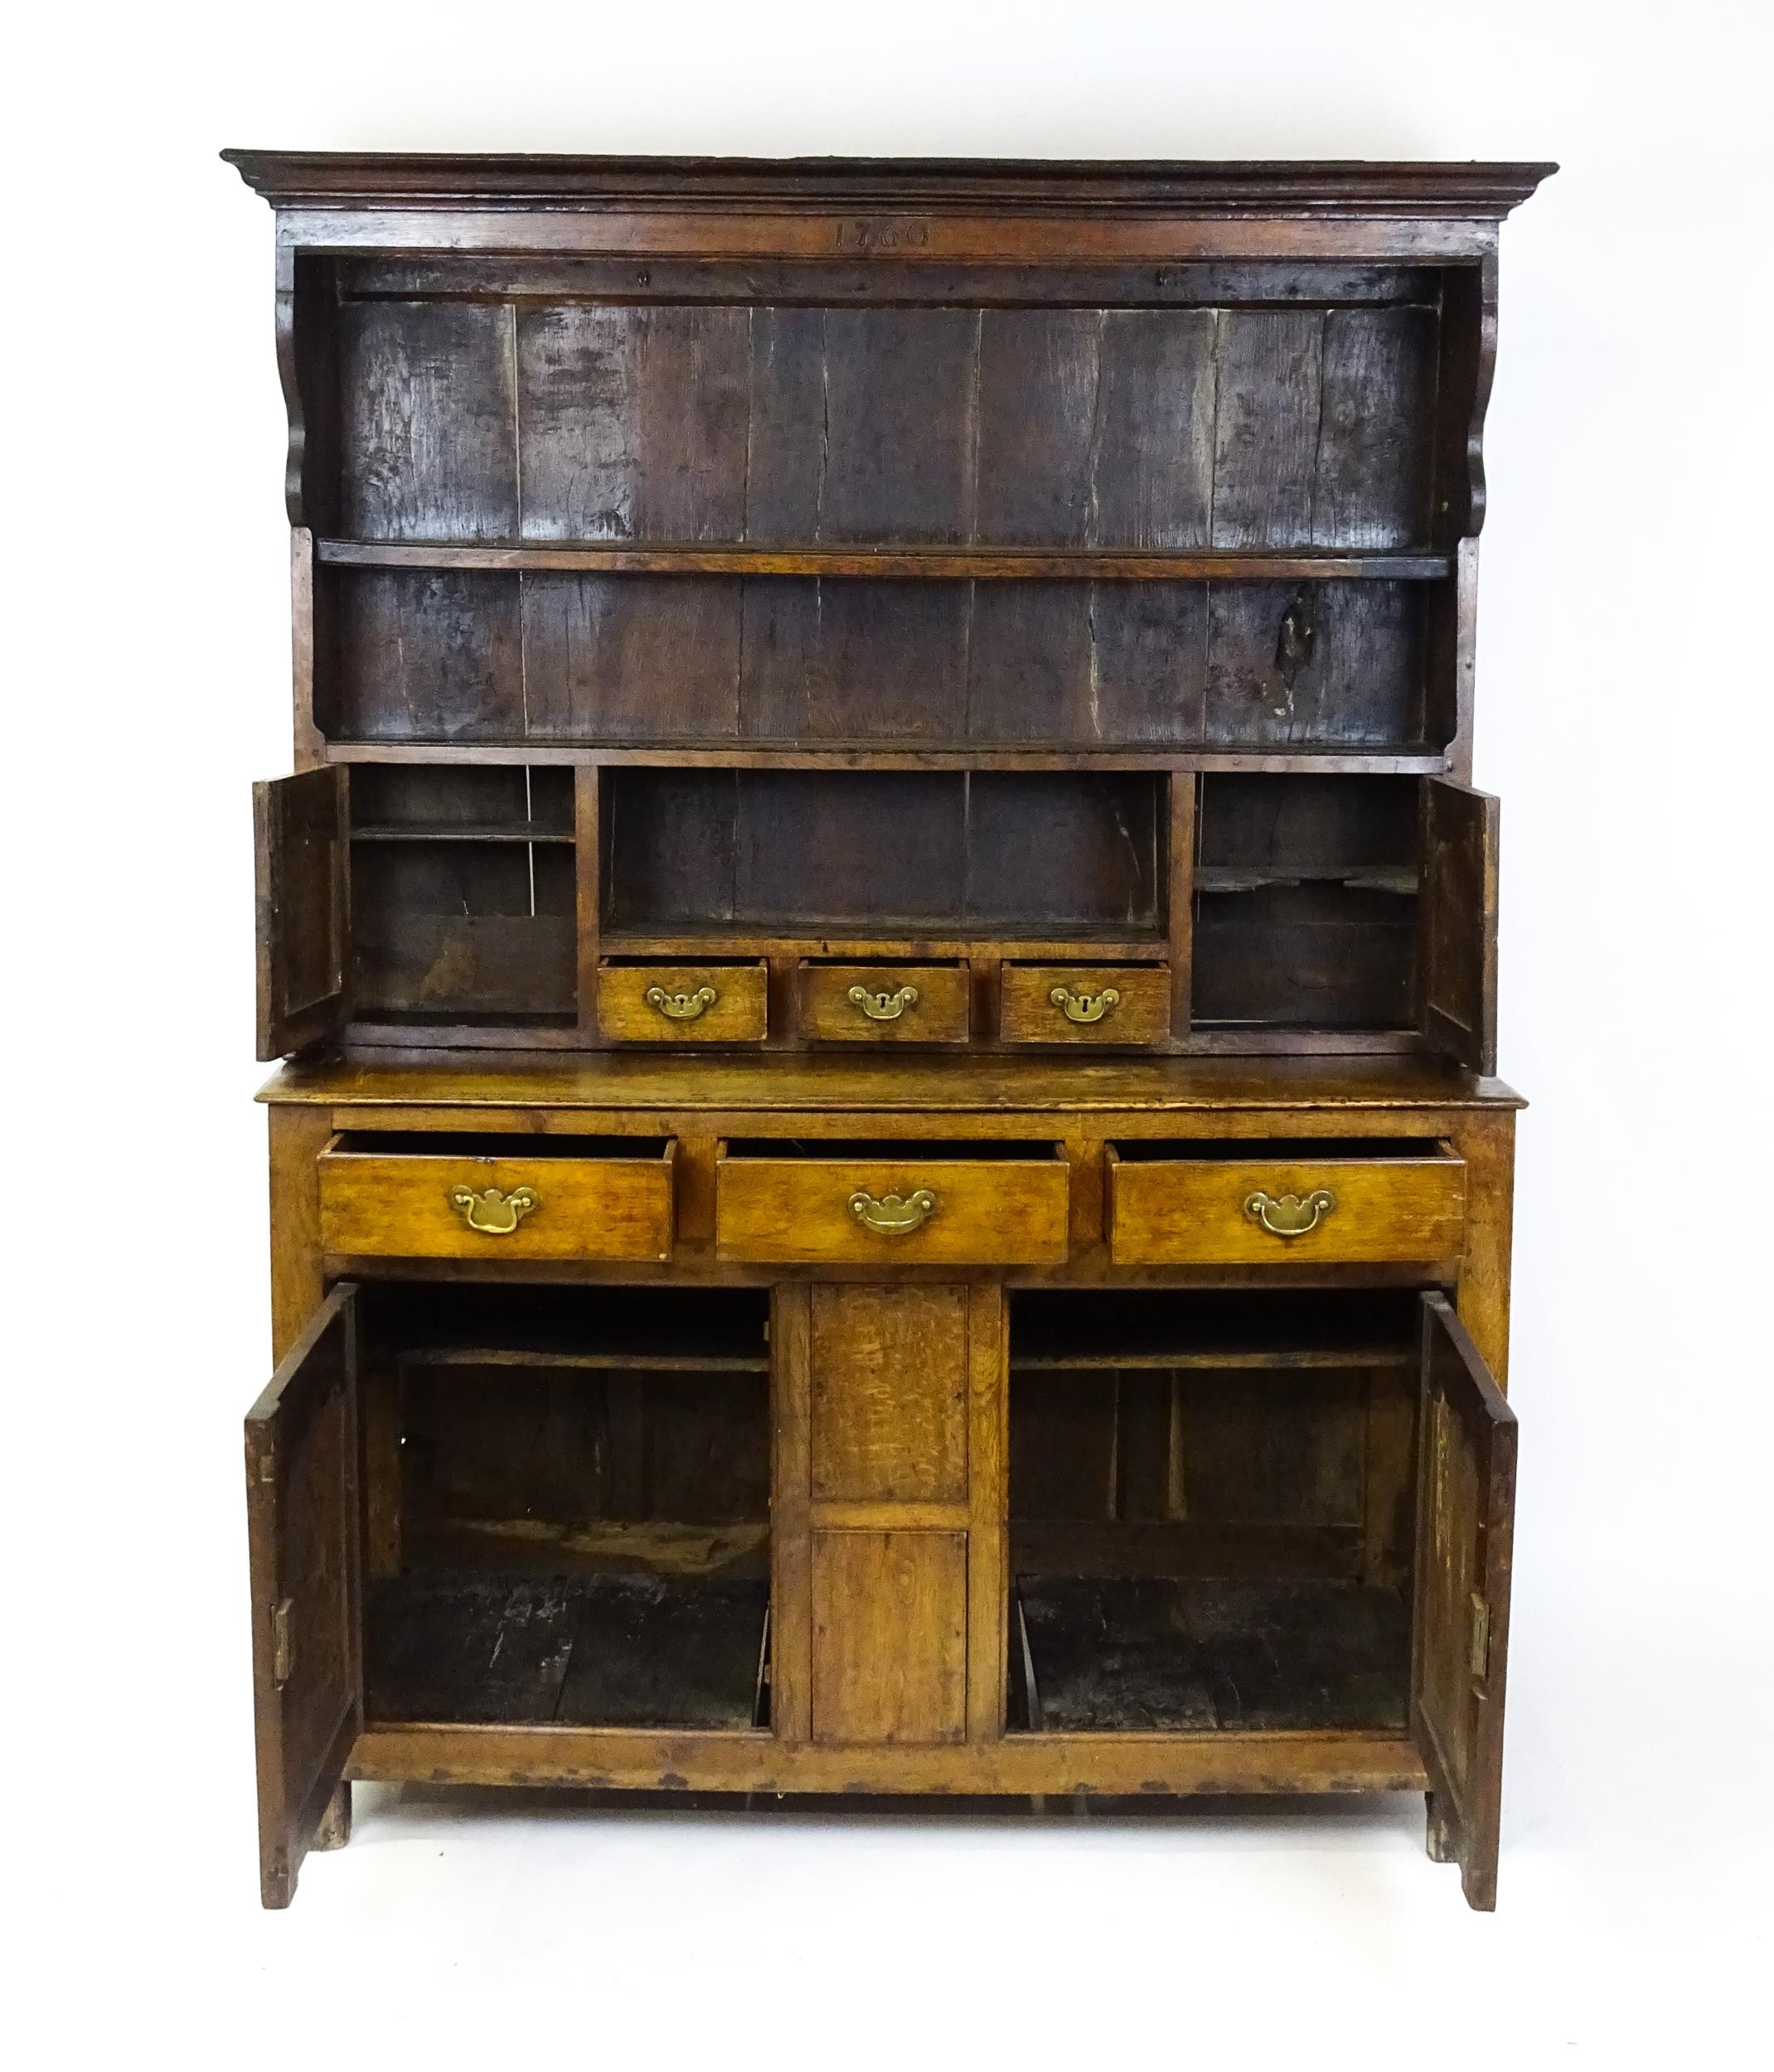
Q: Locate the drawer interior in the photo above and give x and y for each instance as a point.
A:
(520, 1149)
(1255, 1150)
(567, 1505)
(895, 1150)
(1212, 1509)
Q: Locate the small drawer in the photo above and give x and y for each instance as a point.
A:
(885, 1203)
(884, 1002)
(399, 1195)
(1263, 1203)
(684, 1002)
(1113, 1004)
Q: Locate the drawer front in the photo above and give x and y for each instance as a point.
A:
(889, 1212)
(1106, 1003)
(884, 1002)
(683, 1003)
(1296, 1210)
(379, 1204)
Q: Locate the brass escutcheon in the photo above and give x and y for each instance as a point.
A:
(883, 1007)
(1085, 1007)
(681, 1007)
(492, 1213)
(894, 1215)
(1290, 1215)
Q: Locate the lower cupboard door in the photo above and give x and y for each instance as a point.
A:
(1465, 1527)
(302, 1516)
(890, 1636)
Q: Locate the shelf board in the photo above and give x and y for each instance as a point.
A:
(752, 753)
(1400, 877)
(889, 937)
(456, 831)
(1270, 1359)
(952, 564)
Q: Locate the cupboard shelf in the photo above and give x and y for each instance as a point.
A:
(1412, 759)
(1401, 878)
(1101, 564)
(457, 831)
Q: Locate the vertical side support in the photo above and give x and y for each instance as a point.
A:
(310, 748)
(297, 1134)
(1486, 1141)
(988, 1509)
(588, 859)
(791, 1523)
(1181, 857)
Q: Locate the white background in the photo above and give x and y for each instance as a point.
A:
(1624, 679)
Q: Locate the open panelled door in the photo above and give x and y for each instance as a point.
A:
(1456, 949)
(302, 1516)
(301, 850)
(1460, 1631)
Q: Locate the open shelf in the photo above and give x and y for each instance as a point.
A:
(567, 1504)
(1145, 1654)
(1088, 1332)
(589, 1650)
(985, 563)
(456, 831)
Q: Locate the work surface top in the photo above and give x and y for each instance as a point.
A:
(689, 1080)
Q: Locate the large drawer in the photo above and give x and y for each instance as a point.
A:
(892, 1204)
(1231, 1202)
(396, 1195)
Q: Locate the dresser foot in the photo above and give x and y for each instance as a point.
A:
(1438, 1838)
(335, 1829)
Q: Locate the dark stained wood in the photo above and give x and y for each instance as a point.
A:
(303, 1533)
(1465, 1528)
(1457, 946)
(302, 871)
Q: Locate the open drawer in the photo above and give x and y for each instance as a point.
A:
(1266, 1201)
(416, 1195)
(892, 1203)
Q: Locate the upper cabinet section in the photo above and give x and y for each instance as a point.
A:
(1305, 426)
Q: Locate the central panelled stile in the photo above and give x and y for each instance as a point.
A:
(889, 1516)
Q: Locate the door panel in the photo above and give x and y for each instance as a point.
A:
(1460, 1632)
(1456, 949)
(302, 1515)
(889, 1637)
(890, 1394)
(301, 852)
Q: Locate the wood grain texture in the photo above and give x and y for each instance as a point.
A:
(791, 1533)
(380, 1204)
(889, 1370)
(301, 904)
(795, 1210)
(1183, 1212)
(939, 1014)
(889, 1638)
(297, 1138)
(303, 1536)
(1465, 1528)
(739, 1013)
(1027, 1013)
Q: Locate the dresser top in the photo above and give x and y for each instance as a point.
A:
(1349, 188)
(630, 1080)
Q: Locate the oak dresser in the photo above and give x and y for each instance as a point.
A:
(888, 1176)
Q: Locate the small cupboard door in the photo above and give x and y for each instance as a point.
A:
(302, 1530)
(302, 854)
(1456, 949)
(1465, 1526)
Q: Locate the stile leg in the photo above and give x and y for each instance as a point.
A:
(1439, 1839)
(335, 1829)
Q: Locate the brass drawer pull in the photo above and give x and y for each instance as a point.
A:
(1290, 1215)
(492, 1213)
(894, 1215)
(681, 1007)
(883, 1007)
(1085, 1007)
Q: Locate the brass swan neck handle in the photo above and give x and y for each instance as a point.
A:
(493, 1212)
(883, 1007)
(893, 1215)
(1085, 1007)
(1290, 1215)
(681, 1007)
